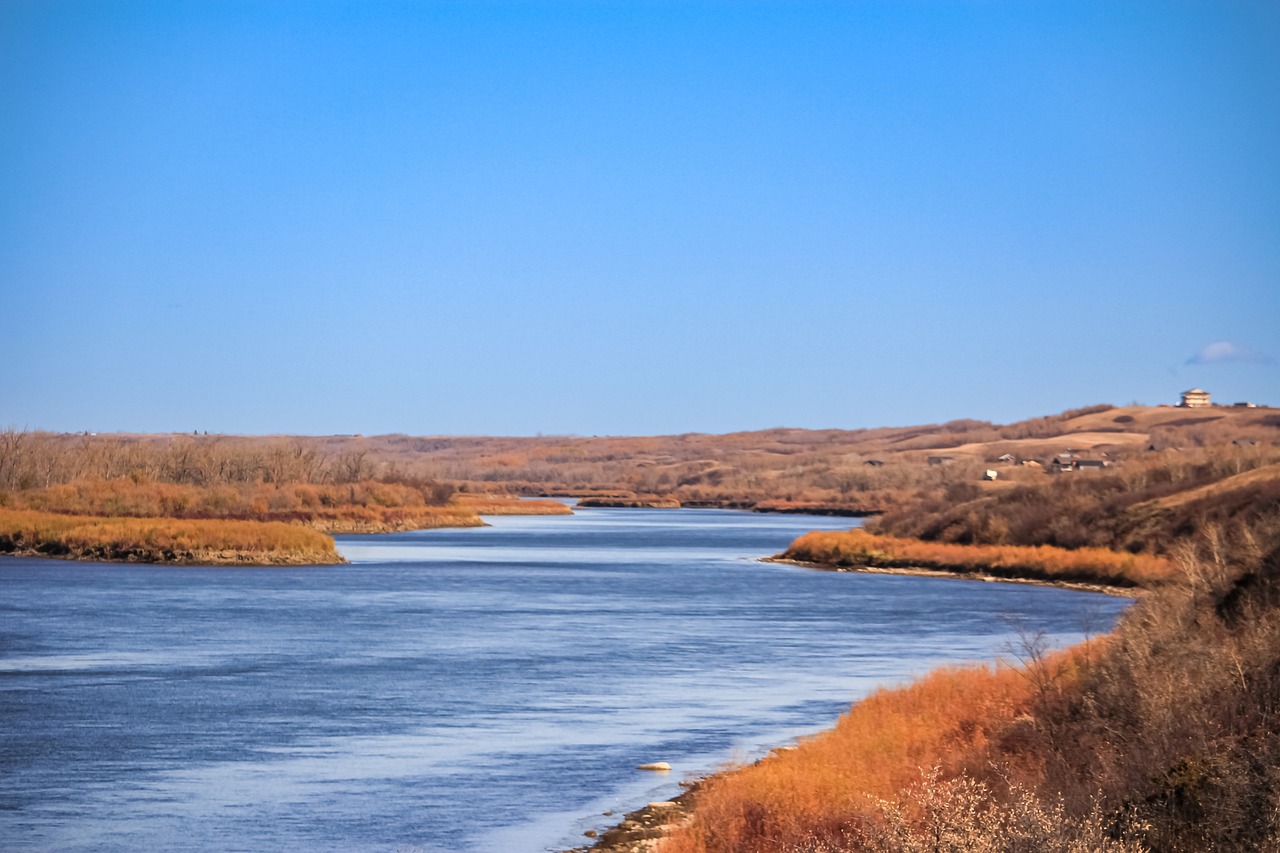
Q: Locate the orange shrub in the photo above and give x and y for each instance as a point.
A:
(826, 788)
(1044, 562)
(364, 507)
(493, 505)
(162, 539)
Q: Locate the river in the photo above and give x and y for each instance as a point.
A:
(486, 690)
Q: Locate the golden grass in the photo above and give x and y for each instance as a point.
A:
(1042, 562)
(1055, 444)
(376, 519)
(162, 539)
(638, 502)
(128, 496)
(365, 507)
(498, 505)
(1265, 474)
(827, 786)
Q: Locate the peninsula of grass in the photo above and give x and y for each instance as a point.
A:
(858, 549)
(141, 520)
(638, 502)
(503, 505)
(1159, 736)
(163, 540)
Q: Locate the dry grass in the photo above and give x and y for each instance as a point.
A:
(506, 505)
(826, 790)
(1161, 736)
(821, 467)
(637, 502)
(162, 539)
(1245, 479)
(857, 548)
(1050, 446)
(364, 507)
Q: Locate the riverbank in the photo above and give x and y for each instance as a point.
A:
(1159, 735)
(643, 830)
(141, 521)
(961, 574)
(855, 549)
(769, 506)
(830, 779)
(163, 540)
(630, 503)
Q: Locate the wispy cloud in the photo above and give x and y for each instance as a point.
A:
(1222, 352)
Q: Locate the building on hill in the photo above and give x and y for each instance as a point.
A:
(1065, 463)
(1195, 399)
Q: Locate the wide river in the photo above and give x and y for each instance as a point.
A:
(489, 689)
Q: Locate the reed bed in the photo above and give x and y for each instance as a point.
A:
(828, 789)
(858, 548)
(162, 539)
(365, 507)
(497, 505)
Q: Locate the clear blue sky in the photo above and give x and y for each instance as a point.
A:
(631, 218)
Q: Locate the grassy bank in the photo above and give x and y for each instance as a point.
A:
(135, 518)
(1159, 737)
(858, 548)
(638, 502)
(830, 788)
(501, 505)
(162, 540)
(365, 506)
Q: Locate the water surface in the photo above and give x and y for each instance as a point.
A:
(486, 690)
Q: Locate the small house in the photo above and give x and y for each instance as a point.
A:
(1007, 458)
(991, 474)
(1196, 398)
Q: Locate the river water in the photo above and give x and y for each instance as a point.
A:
(484, 690)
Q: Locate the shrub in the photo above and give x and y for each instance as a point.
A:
(858, 548)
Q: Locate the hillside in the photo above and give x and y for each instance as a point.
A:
(1133, 478)
(1160, 736)
(865, 470)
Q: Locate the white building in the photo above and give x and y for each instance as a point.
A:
(1195, 399)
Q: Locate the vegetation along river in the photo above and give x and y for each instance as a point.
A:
(488, 689)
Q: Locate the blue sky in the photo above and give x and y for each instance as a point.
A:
(631, 218)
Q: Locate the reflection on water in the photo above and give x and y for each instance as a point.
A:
(455, 690)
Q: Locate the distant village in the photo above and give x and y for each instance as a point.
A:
(1072, 461)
